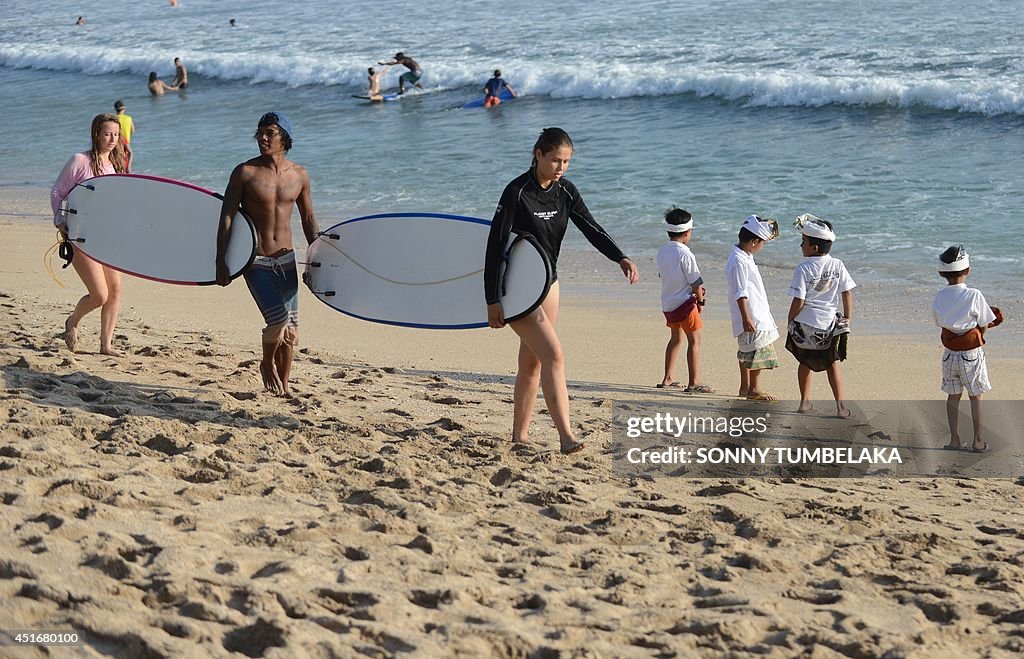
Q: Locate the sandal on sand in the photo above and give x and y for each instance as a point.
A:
(984, 449)
(699, 389)
(670, 384)
(763, 398)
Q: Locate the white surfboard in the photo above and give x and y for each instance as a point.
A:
(422, 270)
(156, 228)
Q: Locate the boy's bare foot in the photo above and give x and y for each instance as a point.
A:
(742, 393)
(70, 335)
(570, 446)
(805, 407)
(843, 412)
(110, 352)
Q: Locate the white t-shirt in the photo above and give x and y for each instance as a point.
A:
(959, 309)
(744, 280)
(678, 270)
(819, 281)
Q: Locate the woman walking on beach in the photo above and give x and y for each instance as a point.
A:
(540, 202)
(103, 284)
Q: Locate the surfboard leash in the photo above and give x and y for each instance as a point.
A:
(62, 248)
(395, 281)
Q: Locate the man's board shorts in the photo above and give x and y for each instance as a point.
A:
(411, 77)
(273, 282)
(685, 317)
(964, 369)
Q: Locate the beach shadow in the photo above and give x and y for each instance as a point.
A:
(118, 399)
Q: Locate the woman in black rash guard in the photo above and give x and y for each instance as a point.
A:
(540, 202)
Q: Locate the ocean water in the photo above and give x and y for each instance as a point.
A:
(903, 122)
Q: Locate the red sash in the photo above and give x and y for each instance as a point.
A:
(682, 312)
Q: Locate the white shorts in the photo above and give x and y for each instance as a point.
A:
(965, 370)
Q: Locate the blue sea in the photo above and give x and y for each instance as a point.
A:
(903, 122)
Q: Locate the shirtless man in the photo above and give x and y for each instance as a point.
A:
(267, 187)
(180, 75)
(412, 76)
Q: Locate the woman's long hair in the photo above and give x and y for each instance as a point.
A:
(117, 156)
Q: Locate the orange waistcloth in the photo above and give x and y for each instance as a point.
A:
(685, 317)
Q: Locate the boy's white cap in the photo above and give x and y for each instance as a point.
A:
(765, 229)
(959, 264)
(679, 228)
(814, 227)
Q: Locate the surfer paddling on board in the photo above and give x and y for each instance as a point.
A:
(540, 202)
(103, 284)
(493, 87)
(268, 187)
(412, 76)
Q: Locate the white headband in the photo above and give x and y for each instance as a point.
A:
(814, 227)
(961, 263)
(765, 229)
(679, 228)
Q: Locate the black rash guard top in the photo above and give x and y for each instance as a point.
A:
(525, 207)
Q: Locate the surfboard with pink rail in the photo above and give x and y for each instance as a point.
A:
(156, 228)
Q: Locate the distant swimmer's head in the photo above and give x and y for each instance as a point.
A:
(370, 70)
(118, 105)
(281, 121)
(399, 55)
(152, 76)
(497, 73)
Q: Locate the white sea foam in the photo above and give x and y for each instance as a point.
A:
(764, 87)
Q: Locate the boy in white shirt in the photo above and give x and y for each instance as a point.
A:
(818, 333)
(964, 315)
(752, 323)
(682, 299)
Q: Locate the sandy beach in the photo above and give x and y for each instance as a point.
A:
(162, 505)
